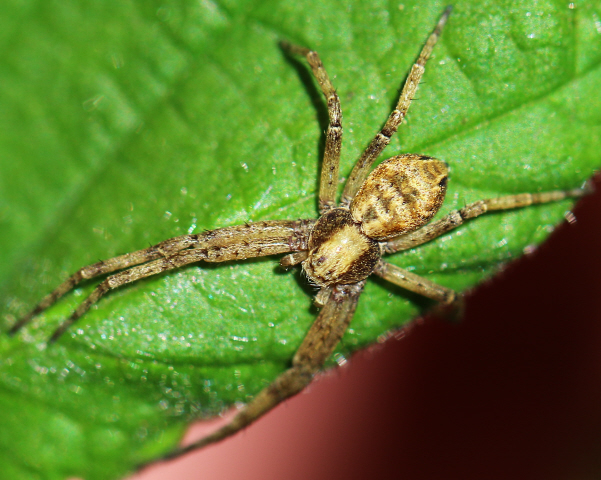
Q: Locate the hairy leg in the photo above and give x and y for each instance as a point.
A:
(328, 183)
(475, 209)
(381, 140)
(230, 243)
(414, 283)
(318, 345)
(168, 247)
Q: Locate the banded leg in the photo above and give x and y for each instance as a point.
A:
(230, 243)
(164, 248)
(416, 284)
(475, 209)
(318, 345)
(328, 182)
(128, 276)
(381, 140)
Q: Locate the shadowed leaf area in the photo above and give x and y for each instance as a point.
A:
(126, 123)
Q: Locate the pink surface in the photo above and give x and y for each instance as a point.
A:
(512, 392)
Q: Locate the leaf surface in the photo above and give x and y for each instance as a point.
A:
(126, 124)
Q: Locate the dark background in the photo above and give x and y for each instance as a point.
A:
(514, 391)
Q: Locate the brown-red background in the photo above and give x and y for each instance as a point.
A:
(512, 392)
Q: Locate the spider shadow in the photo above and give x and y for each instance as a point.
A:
(306, 77)
(301, 281)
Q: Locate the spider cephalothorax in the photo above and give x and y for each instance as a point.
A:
(382, 212)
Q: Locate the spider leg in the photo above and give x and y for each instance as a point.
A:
(128, 276)
(164, 248)
(331, 158)
(475, 209)
(416, 284)
(294, 258)
(381, 140)
(316, 348)
(231, 243)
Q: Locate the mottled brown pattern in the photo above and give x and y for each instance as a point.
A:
(400, 195)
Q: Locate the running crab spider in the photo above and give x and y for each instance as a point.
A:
(382, 212)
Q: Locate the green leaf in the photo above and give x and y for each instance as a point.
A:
(127, 123)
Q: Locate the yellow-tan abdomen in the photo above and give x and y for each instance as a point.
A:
(400, 195)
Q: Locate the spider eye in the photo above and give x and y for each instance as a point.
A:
(400, 195)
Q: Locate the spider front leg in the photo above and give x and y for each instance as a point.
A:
(382, 139)
(317, 346)
(224, 244)
(475, 209)
(128, 276)
(328, 182)
(165, 248)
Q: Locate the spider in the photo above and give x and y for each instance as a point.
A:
(382, 212)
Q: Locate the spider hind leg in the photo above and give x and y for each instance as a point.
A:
(317, 346)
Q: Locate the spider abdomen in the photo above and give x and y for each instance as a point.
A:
(339, 252)
(400, 195)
